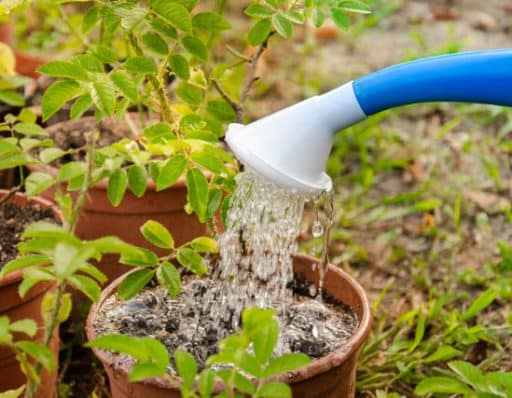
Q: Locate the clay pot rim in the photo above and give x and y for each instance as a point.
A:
(17, 276)
(317, 366)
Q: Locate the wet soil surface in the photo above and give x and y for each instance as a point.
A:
(309, 326)
(13, 221)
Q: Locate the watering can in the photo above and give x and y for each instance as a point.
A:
(291, 146)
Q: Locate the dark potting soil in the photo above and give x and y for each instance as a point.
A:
(309, 326)
(13, 221)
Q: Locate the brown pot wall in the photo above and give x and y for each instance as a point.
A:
(27, 64)
(6, 32)
(17, 308)
(332, 376)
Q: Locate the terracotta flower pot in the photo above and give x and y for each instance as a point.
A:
(6, 32)
(17, 308)
(332, 376)
(27, 64)
(99, 218)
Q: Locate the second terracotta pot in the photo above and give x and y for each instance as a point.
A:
(16, 308)
(332, 376)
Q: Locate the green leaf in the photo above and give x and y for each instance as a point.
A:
(442, 353)
(204, 244)
(39, 352)
(164, 28)
(86, 285)
(26, 326)
(195, 47)
(140, 64)
(192, 261)
(169, 277)
(186, 366)
(12, 98)
(354, 6)
(117, 186)
(20, 159)
(105, 97)
(13, 393)
(140, 348)
(91, 18)
(144, 370)
(66, 305)
(274, 390)
(282, 26)
(33, 276)
(265, 341)
(134, 282)
(89, 62)
(139, 257)
(259, 11)
(64, 69)
(171, 171)
(207, 159)
(137, 180)
(71, 170)
(197, 187)
(480, 304)
(206, 383)
(105, 54)
(159, 132)
(441, 385)
(48, 155)
(318, 17)
(25, 261)
(286, 363)
(189, 94)
(155, 43)
(294, 16)
(126, 85)
(57, 95)
(30, 129)
(38, 182)
(8, 148)
(174, 13)
(210, 22)
(214, 201)
(259, 32)
(340, 18)
(157, 234)
(221, 110)
(469, 373)
(80, 106)
(179, 65)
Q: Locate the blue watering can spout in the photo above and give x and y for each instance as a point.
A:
(291, 146)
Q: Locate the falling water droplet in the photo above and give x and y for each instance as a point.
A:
(317, 230)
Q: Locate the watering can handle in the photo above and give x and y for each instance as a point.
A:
(478, 76)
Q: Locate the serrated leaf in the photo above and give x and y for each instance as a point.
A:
(137, 180)
(282, 25)
(91, 18)
(134, 282)
(145, 370)
(159, 132)
(122, 343)
(117, 184)
(204, 244)
(275, 390)
(259, 11)
(195, 47)
(169, 277)
(71, 170)
(197, 187)
(189, 93)
(25, 261)
(179, 65)
(171, 171)
(48, 155)
(140, 65)
(105, 97)
(164, 28)
(260, 32)
(126, 85)
(210, 22)
(221, 110)
(30, 129)
(174, 13)
(155, 43)
(57, 95)
(186, 366)
(38, 182)
(64, 69)
(80, 106)
(89, 62)
(192, 261)
(39, 352)
(157, 234)
(286, 363)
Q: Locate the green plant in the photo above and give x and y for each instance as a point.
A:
(247, 364)
(9, 81)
